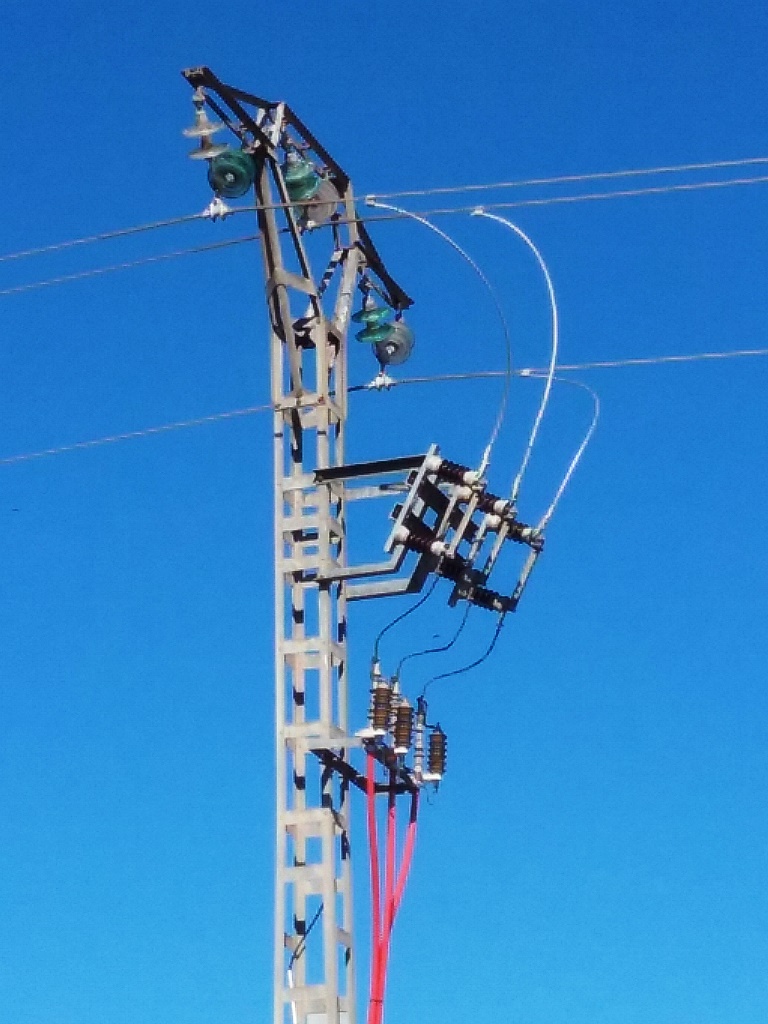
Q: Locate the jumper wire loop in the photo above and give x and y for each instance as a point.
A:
(480, 212)
(499, 310)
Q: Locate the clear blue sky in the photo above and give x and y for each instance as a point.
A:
(597, 854)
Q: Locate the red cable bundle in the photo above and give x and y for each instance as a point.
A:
(394, 887)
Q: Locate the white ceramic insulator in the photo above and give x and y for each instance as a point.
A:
(401, 535)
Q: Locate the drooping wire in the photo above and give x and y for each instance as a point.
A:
(435, 650)
(543, 522)
(480, 212)
(473, 664)
(500, 311)
(403, 615)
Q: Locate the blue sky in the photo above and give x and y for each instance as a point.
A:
(597, 853)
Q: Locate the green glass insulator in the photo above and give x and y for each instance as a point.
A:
(231, 173)
(372, 315)
(374, 333)
(301, 180)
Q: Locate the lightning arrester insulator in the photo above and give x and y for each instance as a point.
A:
(437, 752)
(381, 703)
(403, 728)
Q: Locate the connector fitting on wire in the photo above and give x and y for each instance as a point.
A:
(381, 382)
(217, 209)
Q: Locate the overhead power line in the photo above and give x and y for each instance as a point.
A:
(437, 379)
(104, 236)
(583, 197)
(602, 364)
(131, 435)
(128, 265)
(441, 212)
(208, 214)
(571, 178)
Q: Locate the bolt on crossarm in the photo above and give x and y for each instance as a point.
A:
(299, 187)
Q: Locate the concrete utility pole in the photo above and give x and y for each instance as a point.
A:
(446, 524)
(297, 185)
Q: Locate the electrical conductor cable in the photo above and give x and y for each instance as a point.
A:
(543, 201)
(403, 615)
(422, 214)
(472, 664)
(500, 311)
(435, 650)
(544, 521)
(570, 178)
(480, 212)
(162, 257)
(216, 417)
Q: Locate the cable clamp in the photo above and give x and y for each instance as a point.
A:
(381, 382)
(217, 209)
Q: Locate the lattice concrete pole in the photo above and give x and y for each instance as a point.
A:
(308, 374)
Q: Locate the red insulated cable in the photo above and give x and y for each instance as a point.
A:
(397, 895)
(389, 905)
(373, 845)
(405, 864)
